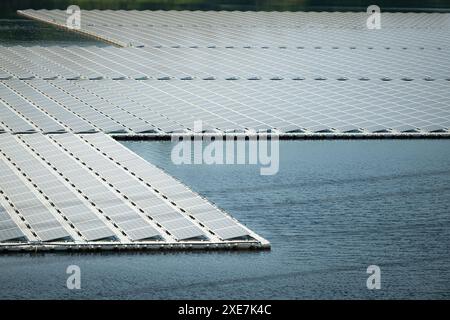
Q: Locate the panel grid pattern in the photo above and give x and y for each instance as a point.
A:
(209, 215)
(39, 218)
(104, 199)
(8, 229)
(238, 72)
(152, 106)
(186, 28)
(22, 107)
(80, 215)
(229, 63)
(143, 197)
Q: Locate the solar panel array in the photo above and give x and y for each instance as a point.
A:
(295, 72)
(62, 180)
(242, 18)
(202, 210)
(85, 188)
(36, 214)
(196, 28)
(151, 106)
(9, 230)
(286, 63)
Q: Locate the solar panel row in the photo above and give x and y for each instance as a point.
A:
(106, 200)
(222, 63)
(243, 19)
(203, 211)
(73, 184)
(137, 193)
(104, 106)
(149, 106)
(49, 107)
(78, 212)
(90, 113)
(312, 106)
(8, 229)
(16, 103)
(19, 194)
(186, 28)
(12, 121)
(67, 187)
(269, 37)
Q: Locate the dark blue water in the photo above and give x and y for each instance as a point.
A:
(334, 208)
(14, 32)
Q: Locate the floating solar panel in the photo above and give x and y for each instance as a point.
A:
(316, 106)
(104, 106)
(207, 214)
(144, 198)
(51, 108)
(79, 213)
(27, 111)
(12, 121)
(8, 228)
(10, 69)
(248, 29)
(239, 19)
(108, 201)
(49, 68)
(273, 63)
(40, 219)
(72, 103)
(294, 73)
(154, 107)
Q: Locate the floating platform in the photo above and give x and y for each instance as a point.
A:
(289, 108)
(65, 184)
(256, 29)
(299, 74)
(372, 64)
(88, 191)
